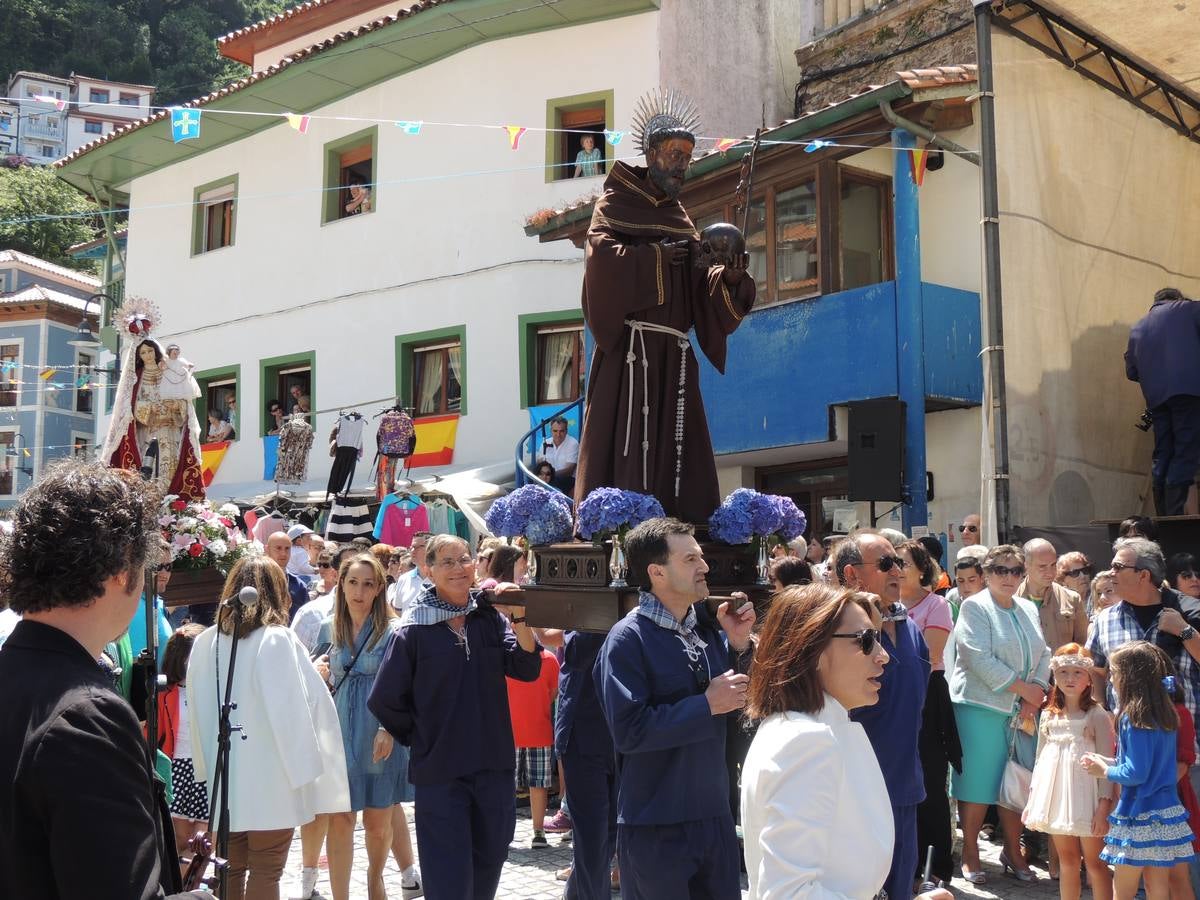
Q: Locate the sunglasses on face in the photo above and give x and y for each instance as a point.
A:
(886, 563)
(165, 567)
(1120, 566)
(1078, 573)
(323, 565)
(1004, 571)
(962, 529)
(867, 639)
(1188, 574)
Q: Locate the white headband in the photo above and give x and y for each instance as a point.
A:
(1061, 662)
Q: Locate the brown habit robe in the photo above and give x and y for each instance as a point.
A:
(627, 276)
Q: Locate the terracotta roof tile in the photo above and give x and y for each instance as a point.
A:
(39, 294)
(927, 78)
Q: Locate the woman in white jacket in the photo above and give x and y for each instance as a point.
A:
(815, 808)
(287, 765)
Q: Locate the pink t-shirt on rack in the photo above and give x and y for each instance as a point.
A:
(933, 612)
(400, 523)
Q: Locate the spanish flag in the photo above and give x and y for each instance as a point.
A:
(435, 441)
(210, 459)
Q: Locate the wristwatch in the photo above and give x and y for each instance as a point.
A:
(1187, 634)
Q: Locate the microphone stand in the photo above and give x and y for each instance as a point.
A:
(147, 660)
(225, 731)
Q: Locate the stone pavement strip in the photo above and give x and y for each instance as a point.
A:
(529, 874)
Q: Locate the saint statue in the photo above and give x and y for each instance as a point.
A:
(645, 286)
(152, 427)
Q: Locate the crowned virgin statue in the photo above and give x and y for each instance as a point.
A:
(152, 428)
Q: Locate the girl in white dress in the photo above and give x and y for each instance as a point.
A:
(1064, 801)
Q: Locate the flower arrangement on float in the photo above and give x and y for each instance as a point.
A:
(766, 519)
(202, 537)
(610, 513)
(533, 514)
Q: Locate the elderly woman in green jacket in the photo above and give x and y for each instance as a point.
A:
(999, 667)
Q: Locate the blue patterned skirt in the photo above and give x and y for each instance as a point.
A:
(1156, 838)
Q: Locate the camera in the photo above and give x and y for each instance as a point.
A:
(1145, 422)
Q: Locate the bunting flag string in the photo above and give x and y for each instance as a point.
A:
(59, 103)
(614, 138)
(300, 123)
(185, 124)
(413, 128)
(918, 160)
(47, 374)
(515, 133)
(725, 143)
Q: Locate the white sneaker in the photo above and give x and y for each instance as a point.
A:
(308, 882)
(410, 884)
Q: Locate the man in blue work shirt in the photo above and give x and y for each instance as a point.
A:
(666, 679)
(866, 561)
(1161, 356)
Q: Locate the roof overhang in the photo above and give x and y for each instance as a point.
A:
(1081, 41)
(845, 116)
(314, 77)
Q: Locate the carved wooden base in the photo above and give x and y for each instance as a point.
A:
(572, 589)
(194, 586)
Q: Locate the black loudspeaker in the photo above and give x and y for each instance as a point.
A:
(876, 450)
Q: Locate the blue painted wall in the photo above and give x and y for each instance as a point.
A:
(788, 364)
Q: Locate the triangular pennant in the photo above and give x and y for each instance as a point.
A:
(614, 137)
(724, 144)
(413, 128)
(918, 159)
(25, 450)
(300, 123)
(515, 132)
(59, 103)
(185, 124)
(47, 374)
(815, 145)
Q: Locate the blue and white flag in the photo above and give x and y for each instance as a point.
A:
(413, 128)
(185, 124)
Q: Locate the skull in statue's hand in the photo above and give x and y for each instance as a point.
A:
(720, 244)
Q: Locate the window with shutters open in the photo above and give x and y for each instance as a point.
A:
(215, 215)
(350, 179)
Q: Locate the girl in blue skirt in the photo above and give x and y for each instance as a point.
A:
(1148, 830)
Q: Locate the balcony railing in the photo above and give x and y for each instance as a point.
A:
(48, 129)
(839, 11)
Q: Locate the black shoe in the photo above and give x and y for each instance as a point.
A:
(539, 841)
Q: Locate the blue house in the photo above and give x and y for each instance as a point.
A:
(48, 396)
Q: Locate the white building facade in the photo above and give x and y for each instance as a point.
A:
(268, 284)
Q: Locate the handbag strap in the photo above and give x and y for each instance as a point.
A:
(353, 660)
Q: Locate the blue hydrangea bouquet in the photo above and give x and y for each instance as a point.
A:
(746, 515)
(536, 513)
(611, 512)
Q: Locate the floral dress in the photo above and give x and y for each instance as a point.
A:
(376, 785)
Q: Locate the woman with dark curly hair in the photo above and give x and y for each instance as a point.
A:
(290, 765)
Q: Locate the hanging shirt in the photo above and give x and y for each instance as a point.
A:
(295, 442)
(350, 431)
(439, 516)
(401, 522)
(267, 526)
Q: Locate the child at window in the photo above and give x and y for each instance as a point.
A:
(589, 159)
(360, 196)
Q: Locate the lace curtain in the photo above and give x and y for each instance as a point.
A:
(453, 401)
(429, 382)
(558, 370)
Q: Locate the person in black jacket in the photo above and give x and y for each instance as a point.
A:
(79, 812)
(1161, 357)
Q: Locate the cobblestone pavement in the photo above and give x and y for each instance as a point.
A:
(529, 874)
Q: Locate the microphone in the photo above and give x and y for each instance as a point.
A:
(246, 598)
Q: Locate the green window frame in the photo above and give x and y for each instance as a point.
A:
(406, 344)
(558, 168)
(333, 193)
(268, 376)
(222, 373)
(527, 331)
(200, 211)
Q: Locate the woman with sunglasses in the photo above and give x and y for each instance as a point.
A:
(815, 808)
(999, 667)
(1183, 574)
(1075, 572)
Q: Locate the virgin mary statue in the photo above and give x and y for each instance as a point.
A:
(149, 432)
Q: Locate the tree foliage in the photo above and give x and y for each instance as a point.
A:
(32, 200)
(170, 44)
